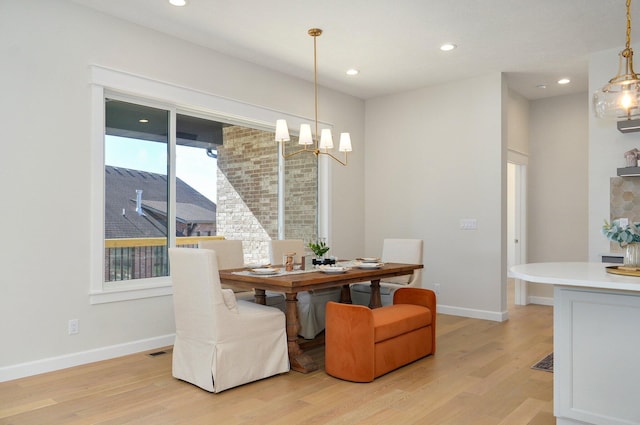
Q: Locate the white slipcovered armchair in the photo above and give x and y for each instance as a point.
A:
(220, 342)
(230, 255)
(311, 304)
(408, 251)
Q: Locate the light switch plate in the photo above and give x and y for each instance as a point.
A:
(468, 224)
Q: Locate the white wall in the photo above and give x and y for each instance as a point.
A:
(606, 152)
(518, 123)
(557, 184)
(436, 156)
(47, 47)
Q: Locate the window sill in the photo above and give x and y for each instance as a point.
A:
(130, 292)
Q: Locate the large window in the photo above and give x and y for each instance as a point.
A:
(168, 175)
(226, 185)
(138, 193)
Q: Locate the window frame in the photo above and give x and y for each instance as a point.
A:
(160, 281)
(124, 86)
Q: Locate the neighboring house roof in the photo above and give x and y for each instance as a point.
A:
(120, 195)
(185, 213)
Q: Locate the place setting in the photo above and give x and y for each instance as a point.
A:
(333, 269)
(368, 259)
(264, 271)
(257, 269)
(368, 263)
(272, 271)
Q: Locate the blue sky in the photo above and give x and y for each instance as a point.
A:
(192, 164)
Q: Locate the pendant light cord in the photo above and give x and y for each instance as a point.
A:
(315, 32)
(628, 45)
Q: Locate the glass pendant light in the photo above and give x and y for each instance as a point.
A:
(620, 98)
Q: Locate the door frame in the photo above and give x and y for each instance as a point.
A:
(520, 161)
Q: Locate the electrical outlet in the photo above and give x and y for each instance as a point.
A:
(74, 326)
(436, 288)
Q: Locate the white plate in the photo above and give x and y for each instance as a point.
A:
(369, 265)
(333, 270)
(265, 270)
(368, 259)
(258, 266)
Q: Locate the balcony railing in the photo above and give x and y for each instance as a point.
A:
(140, 258)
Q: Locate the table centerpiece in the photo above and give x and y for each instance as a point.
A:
(320, 249)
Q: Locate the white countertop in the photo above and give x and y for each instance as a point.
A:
(590, 275)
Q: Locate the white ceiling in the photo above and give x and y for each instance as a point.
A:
(395, 43)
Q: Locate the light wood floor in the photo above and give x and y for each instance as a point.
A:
(480, 375)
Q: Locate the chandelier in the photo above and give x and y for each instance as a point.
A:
(308, 140)
(620, 98)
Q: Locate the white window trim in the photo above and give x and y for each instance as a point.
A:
(104, 80)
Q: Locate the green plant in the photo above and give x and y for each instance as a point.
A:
(623, 235)
(319, 249)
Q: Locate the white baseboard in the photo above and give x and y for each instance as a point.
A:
(488, 315)
(541, 300)
(21, 370)
(473, 313)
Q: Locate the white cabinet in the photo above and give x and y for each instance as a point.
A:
(596, 335)
(596, 357)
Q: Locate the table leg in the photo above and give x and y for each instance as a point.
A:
(345, 294)
(260, 296)
(376, 300)
(300, 361)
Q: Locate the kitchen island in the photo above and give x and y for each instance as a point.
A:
(596, 342)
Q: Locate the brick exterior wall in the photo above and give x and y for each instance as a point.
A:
(247, 205)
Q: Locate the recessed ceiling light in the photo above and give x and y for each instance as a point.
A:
(564, 81)
(178, 2)
(447, 47)
(352, 71)
(143, 120)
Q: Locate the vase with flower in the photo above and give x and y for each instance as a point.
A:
(627, 235)
(320, 248)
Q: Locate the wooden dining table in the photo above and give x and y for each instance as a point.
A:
(292, 283)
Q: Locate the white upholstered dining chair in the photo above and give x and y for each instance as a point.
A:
(408, 251)
(230, 255)
(311, 304)
(220, 342)
(229, 252)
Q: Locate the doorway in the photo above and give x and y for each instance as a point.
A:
(516, 222)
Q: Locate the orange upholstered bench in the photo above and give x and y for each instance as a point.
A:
(362, 344)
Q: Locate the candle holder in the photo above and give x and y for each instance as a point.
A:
(323, 261)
